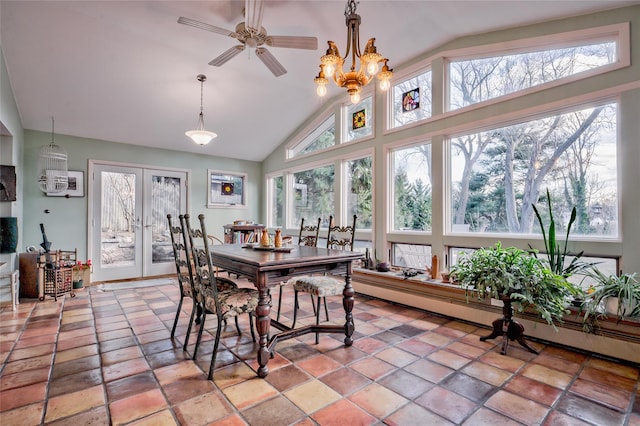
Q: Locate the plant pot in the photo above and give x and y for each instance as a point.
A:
(611, 306)
(77, 284)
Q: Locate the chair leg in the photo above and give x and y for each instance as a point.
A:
(175, 321)
(295, 308)
(318, 319)
(238, 326)
(253, 334)
(279, 303)
(326, 311)
(203, 318)
(215, 348)
(313, 303)
(186, 338)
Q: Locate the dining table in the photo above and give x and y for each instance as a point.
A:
(267, 267)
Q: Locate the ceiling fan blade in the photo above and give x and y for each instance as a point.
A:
(207, 27)
(293, 42)
(253, 15)
(270, 61)
(226, 56)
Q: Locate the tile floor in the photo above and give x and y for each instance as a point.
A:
(106, 357)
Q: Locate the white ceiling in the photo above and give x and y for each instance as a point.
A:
(125, 71)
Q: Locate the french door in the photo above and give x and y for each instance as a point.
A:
(129, 234)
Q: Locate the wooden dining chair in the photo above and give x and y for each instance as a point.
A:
(308, 236)
(223, 303)
(321, 286)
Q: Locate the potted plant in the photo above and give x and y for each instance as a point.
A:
(512, 274)
(78, 273)
(556, 256)
(614, 295)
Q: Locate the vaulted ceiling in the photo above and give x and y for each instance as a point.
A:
(125, 71)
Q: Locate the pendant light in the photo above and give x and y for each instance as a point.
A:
(53, 175)
(200, 135)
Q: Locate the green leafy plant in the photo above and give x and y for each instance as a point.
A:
(496, 271)
(625, 288)
(556, 255)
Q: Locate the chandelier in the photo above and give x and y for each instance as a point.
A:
(53, 175)
(200, 135)
(331, 64)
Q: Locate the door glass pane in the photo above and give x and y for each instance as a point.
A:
(117, 247)
(165, 199)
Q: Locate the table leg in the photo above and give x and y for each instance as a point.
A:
(347, 302)
(263, 324)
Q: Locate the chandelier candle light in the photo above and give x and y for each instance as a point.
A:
(331, 64)
(200, 135)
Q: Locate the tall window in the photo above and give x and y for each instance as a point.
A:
(498, 174)
(477, 80)
(313, 195)
(322, 137)
(412, 188)
(412, 100)
(276, 218)
(359, 181)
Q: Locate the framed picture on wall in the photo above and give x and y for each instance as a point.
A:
(7, 183)
(226, 189)
(75, 188)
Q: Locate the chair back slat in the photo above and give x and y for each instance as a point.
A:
(308, 235)
(341, 237)
(204, 276)
(181, 256)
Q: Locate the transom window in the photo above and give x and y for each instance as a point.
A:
(411, 100)
(322, 137)
(358, 120)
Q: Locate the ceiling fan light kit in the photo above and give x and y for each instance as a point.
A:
(331, 63)
(251, 34)
(200, 135)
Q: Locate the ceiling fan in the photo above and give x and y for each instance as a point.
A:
(251, 34)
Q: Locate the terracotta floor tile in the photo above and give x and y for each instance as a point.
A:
(414, 415)
(372, 367)
(417, 347)
(397, 357)
(345, 355)
(75, 366)
(134, 407)
(546, 375)
(487, 373)
(25, 395)
(124, 369)
(32, 351)
(469, 387)
(588, 411)
(75, 382)
(406, 384)
(534, 390)
(73, 403)
(465, 350)
(26, 415)
(615, 398)
(504, 362)
(449, 359)
(311, 396)
(556, 418)
(429, 370)
(248, 393)
(450, 332)
(76, 353)
(319, 365)
(161, 418)
(608, 378)
(25, 378)
(484, 417)
(120, 355)
(343, 412)
(369, 345)
(447, 404)
(35, 341)
(517, 407)
(345, 381)
(571, 356)
(287, 377)
(378, 400)
(613, 367)
(76, 342)
(131, 385)
(203, 409)
(276, 411)
(22, 365)
(177, 371)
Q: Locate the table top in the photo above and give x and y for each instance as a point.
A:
(266, 259)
